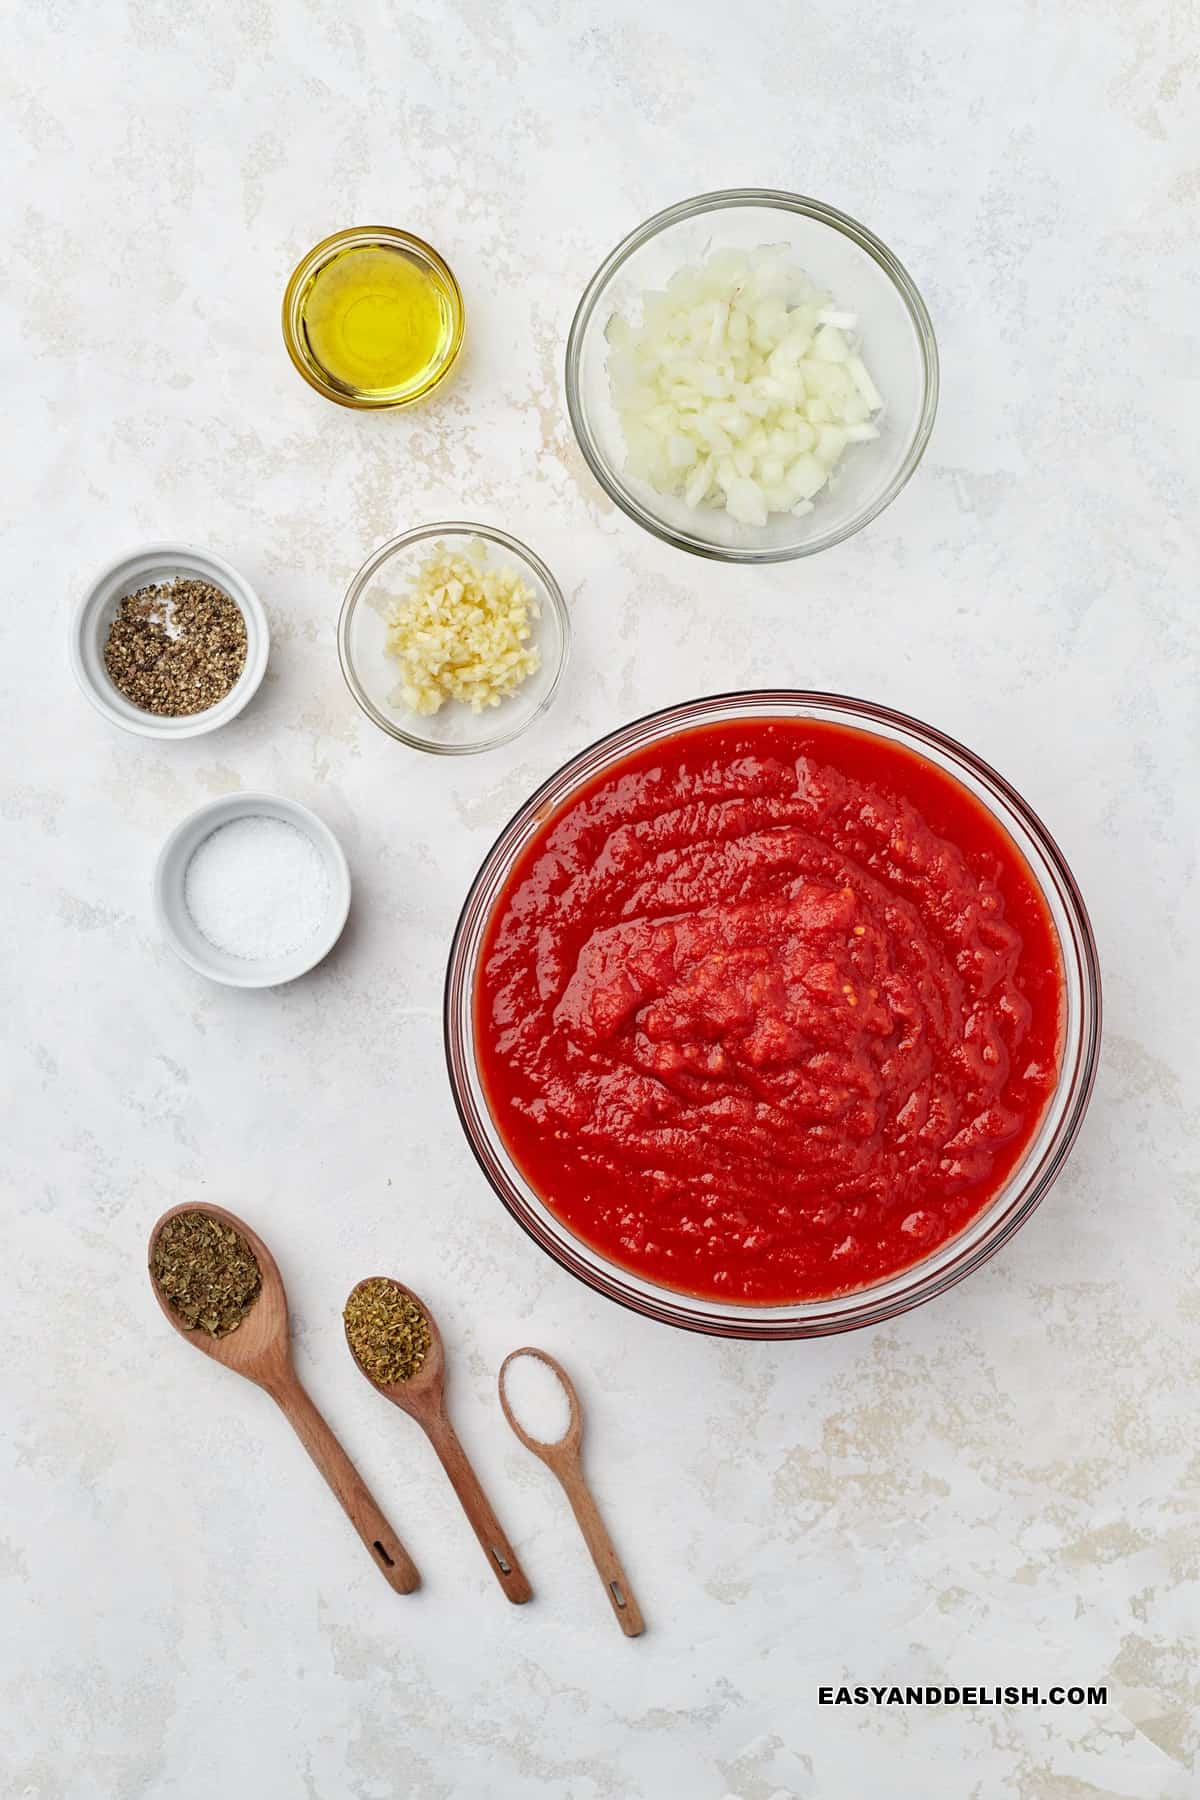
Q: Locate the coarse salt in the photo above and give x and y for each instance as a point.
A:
(538, 1399)
(257, 888)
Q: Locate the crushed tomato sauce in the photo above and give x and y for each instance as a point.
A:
(769, 1010)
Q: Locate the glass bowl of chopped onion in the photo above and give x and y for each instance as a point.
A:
(453, 638)
(752, 376)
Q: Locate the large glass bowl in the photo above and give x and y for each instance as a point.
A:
(1025, 1187)
(838, 255)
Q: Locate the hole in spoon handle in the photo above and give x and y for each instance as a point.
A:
(626, 1610)
(359, 1504)
(502, 1558)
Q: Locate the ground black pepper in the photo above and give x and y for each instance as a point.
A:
(177, 648)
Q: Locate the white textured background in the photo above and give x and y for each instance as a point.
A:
(1000, 1488)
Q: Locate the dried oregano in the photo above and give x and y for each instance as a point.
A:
(388, 1332)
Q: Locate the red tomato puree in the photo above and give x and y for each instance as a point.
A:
(769, 1010)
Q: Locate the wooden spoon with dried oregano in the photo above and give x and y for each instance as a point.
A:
(394, 1339)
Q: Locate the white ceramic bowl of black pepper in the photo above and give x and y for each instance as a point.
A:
(160, 565)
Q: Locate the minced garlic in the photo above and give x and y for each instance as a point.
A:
(462, 632)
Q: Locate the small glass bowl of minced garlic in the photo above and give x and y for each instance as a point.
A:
(453, 638)
(373, 317)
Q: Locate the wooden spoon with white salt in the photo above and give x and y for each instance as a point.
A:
(561, 1456)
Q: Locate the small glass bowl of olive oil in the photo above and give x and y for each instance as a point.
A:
(373, 317)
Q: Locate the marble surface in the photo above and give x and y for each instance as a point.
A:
(999, 1488)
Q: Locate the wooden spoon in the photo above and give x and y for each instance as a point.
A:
(260, 1348)
(563, 1459)
(423, 1398)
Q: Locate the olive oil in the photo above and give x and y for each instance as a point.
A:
(373, 317)
(376, 322)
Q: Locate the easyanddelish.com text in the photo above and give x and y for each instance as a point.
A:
(962, 1696)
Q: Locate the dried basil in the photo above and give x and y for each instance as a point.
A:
(206, 1272)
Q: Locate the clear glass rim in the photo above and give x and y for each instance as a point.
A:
(420, 534)
(364, 236)
(778, 200)
(911, 1287)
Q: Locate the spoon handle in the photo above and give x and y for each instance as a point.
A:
(626, 1610)
(387, 1552)
(502, 1558)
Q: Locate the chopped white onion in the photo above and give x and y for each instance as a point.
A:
(742, 388)
(862, 381)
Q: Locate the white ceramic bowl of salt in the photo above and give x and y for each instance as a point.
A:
(252, 890)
